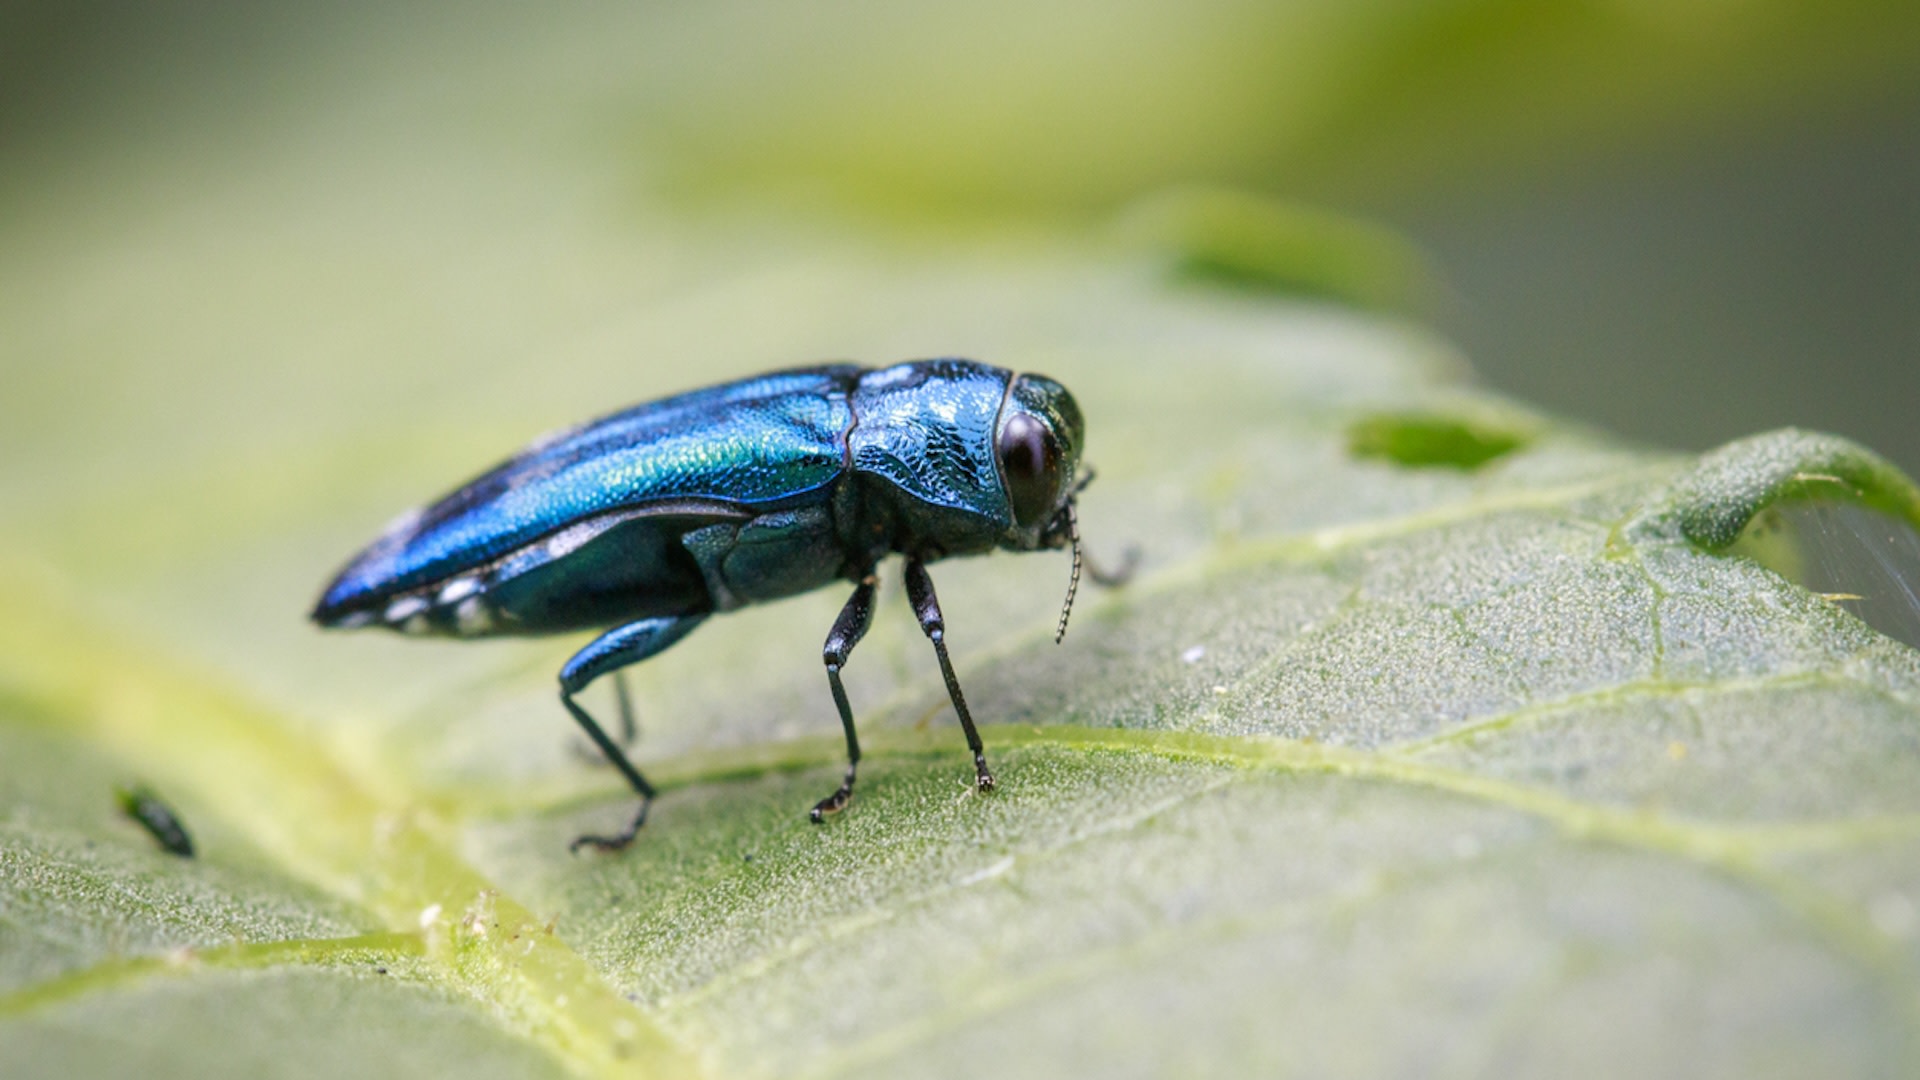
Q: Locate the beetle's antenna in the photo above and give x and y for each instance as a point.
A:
(1073, 583)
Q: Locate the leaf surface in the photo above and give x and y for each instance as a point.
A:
(1437, 736)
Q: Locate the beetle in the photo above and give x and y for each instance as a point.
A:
(654, 518)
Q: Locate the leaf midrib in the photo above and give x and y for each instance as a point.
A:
(323, 826)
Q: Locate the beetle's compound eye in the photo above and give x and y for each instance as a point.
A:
(1029, 459)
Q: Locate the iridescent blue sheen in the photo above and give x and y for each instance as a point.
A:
(646, 522)
(704, 501)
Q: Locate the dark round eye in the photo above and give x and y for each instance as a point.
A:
(1029, 466)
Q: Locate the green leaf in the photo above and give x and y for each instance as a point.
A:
(1377, 765)
(1437, 736)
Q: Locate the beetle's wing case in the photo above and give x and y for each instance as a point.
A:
(621, 486)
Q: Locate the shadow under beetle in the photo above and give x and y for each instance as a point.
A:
(651, 519)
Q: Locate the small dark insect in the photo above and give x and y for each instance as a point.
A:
(142, 805)
(653, 518)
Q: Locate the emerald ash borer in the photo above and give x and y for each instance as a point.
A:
(652, 519)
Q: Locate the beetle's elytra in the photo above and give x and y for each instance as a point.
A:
(652, 519)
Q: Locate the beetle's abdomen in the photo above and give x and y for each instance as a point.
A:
(605, 570)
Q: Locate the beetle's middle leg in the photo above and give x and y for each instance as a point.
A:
(926, 606)
(848, 629)
(610, 652)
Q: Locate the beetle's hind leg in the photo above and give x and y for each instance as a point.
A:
(848, 629)
(610, 652)
(629, 726)
(926, 607)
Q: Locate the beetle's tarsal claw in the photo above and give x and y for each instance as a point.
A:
(612, 843)
(1073, 583)
(835, 802)
(982, 779)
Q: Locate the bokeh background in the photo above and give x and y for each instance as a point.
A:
(1682, 221)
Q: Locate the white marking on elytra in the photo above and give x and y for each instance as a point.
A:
(457, 590)
(355, 620)
(415, 625)
(567, 541)
(405, 608)
(473, 616)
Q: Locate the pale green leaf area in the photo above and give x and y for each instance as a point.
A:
(285, 1022)
(1436, 736)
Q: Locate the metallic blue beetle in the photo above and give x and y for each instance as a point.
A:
(651, 519)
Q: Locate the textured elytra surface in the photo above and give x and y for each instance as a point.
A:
(1378, 770)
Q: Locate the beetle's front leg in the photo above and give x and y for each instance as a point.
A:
(847, 631)
(926, 606)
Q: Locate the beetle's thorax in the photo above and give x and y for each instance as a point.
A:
(920, 455)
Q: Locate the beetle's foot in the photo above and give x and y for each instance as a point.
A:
(612, 843)
(982, 779)
(601, 843)
(837, 801)
(832, 804)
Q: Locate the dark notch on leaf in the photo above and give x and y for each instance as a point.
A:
(143, 806)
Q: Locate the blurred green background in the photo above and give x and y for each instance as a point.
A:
(1681, 220)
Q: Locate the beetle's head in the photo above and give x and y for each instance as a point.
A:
(1037, 449)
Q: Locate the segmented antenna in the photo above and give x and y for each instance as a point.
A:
(1073, 583)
